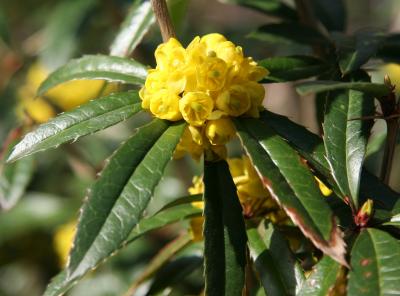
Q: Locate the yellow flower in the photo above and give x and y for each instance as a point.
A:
(77, 92)
(170, 55)
(256, 93)
(197, 134)
(211, 74)
(36, 108)
(196, 107)
(187, 145)
(220, 131)
(393, 70)
(63, 239)
(235, 101)
(229, 52)
(165, 105)
(212, 80)
(197, 188)
(155, 81)
(212, 40)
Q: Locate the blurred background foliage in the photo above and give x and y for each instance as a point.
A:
(36, 37)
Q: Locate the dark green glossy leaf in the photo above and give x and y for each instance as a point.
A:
(346, 136)
(60, 35)
(289, 33)
(311, 147)
(292, 68)
(224, 233)
(331, 13)
(135, 26)
(60, 284)
(84, 120)
(375, 261)
(271, 7)
(355, 51)
(117, 200)
(291, 183)
(113, 69)
(375, 89)
(322, 278)
(14, 179)
(278, 271)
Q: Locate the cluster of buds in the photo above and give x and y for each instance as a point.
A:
(204, 84)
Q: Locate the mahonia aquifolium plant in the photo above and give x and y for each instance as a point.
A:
(205, 84)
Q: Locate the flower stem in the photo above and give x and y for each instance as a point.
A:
(164, 21)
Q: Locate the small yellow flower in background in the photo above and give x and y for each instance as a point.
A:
(254, 198)
(393, 71)
(212, 80)
(65, 96)
(323, 188)
(63, 240)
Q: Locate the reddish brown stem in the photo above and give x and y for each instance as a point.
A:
(164, 21)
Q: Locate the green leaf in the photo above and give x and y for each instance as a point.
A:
(84, 120)
(60, 284)
(135, 26)
(311, 147)
(119, 197)
(346, 136)
(331, 13)
(375, 261)
(14, 179)
(375, 89)
(183, 200)
(289, 33)
(292, 68)
(291, 183)
(113, 69)
(60, 35)
(355, 51)
(278, 271)
(271, 7)
(224, 233)
(322, 278)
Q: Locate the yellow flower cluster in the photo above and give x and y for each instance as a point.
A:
(64, 97)
(205, 83)
(254, 198)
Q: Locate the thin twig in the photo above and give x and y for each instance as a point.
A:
(164, 21)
